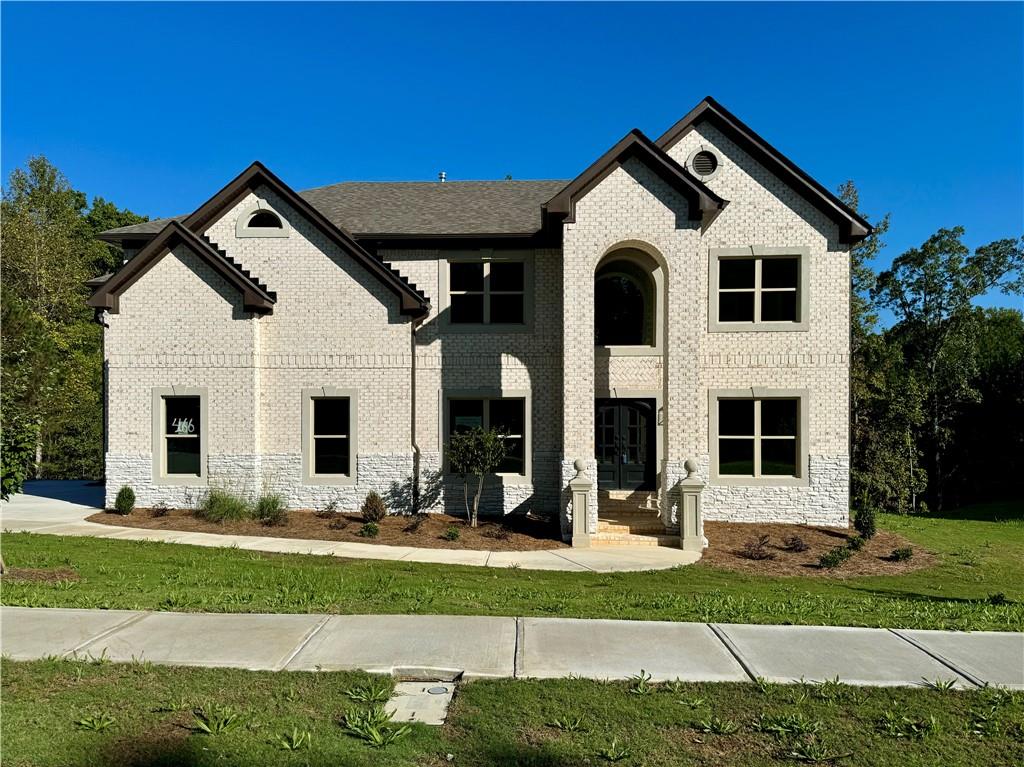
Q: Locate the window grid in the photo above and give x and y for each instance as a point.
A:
(486, 417)
(183, 431)
(487, 292)
(758, 289)
(757, 437)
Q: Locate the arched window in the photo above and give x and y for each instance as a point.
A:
(258, 221)
(265, 219)
(623, 304)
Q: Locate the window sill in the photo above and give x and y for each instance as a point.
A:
(627, 351)
(180, 480)
(756, 327)
(495, 328)
(334, 480)
(738, 481)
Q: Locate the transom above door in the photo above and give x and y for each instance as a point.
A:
(625, 444)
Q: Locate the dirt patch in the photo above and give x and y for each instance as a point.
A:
(39, 574)
(518, 533)
(728, 539)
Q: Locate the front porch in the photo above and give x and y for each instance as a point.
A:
(631, 518)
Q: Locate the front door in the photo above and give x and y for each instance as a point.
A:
(625, 432)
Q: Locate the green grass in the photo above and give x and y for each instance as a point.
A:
(491, 722)
(980, 556)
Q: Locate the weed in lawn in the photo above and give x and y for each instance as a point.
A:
(786, 725)
(997, 696)
(715, 725)
(372, 692)
(640, 684)
(985, 723)
(693, 702)
(614, 752)
(898, 725)
(675, 687)
(815, 752)
(764, 686)
(939, 684)
(757, 549)
(173, 705)
(372, 726)
(296, 740)
(831, 690)
(569, 724)
(214, 719)
(96, 722)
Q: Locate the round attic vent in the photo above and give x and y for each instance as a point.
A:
(704, 163)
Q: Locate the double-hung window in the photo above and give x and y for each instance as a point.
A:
(179, 435)
(759, 292)
(329, 435)
(487, 292)
(760, 438)
(507, 415)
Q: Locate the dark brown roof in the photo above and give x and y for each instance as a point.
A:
(852, 227)
(411, 208)
(704, 204)
(106, 294)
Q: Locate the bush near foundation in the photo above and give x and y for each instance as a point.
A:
(833, 558)
(864, 522)
(220, 505)
(369, 530)
(125, 501)
(270, 510)
(373, 509)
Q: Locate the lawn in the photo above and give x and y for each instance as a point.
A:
(53, 713)
(978, 583)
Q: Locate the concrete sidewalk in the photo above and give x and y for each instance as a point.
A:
(450, 647)
(60, 508)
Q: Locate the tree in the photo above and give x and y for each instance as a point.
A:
(475, 452)
(930, 290)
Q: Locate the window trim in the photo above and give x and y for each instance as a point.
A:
(760, 252)
(309, 477)
(802, 396)
(659, 297)
(486, 255)
(160, 475)
(242, 228)
(526, 478)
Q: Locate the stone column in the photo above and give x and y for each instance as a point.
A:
(579, 488)
(691, 521)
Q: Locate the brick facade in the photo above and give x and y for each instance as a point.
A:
(334, 324)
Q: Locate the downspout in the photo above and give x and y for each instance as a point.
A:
(99, 319)
(414, 325)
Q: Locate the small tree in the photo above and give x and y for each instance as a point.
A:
(476, 452)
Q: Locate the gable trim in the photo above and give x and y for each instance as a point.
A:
(106, 295)
(852, 227)
(413, 301)
(704, 205)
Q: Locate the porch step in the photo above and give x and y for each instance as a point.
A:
(623, 522)
(602, 539)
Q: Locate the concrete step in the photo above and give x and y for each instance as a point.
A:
(602, 539)
(629, 523)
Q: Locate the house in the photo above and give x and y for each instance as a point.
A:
(682, 298)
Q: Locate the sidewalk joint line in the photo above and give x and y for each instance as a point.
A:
(572, 561)
(733, 650)
(936, 656)
(520, 650)
(129, 621)
(302, 643)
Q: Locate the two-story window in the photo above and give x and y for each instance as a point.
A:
(506, 413)
(758, 288)
(758, 436)
(487, 290)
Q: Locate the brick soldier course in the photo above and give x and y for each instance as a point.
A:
(347, 296)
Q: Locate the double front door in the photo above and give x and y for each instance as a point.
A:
(625, 434)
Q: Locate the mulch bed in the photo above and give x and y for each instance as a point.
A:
(518, 533)
(727, 539)
(38, 575)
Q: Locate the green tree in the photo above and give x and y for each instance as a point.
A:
(476, 452)
(49, 251)
(930, 289)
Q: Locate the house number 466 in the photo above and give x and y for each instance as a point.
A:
(183, 426)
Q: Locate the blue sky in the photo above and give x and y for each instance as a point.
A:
(155, 106)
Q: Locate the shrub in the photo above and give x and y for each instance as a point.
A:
(834, 557)
(415, 523)
(160, 510)
(369, 530)
(997, 599)
(328, 511)
(270, 510)
(794, 543)
(757, 549)
(124, 504)
(338, 523)
(901, 554)
(856, 543)
(864, 522)
(451, 534)
(220, 505)
(497, 532)
(373, 509)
